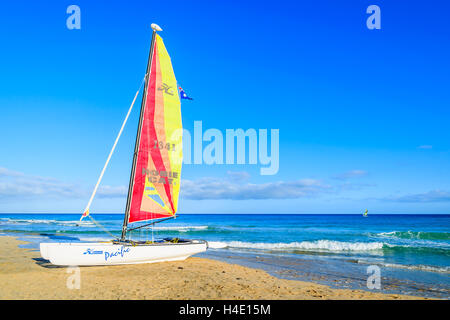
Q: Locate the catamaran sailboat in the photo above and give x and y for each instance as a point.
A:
(154, 181)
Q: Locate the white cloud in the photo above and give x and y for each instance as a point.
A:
(238, 175)
(431, 196)
(10, 173)
(112, 192)
(14, 184)
(18, 184)
(214, 189)
(350, 175)
(234, 186)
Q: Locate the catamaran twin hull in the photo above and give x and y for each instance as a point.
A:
(154, 186)
(104, 253)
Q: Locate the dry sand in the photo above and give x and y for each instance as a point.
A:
(23, 275)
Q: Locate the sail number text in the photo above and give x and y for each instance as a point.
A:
(163, 145)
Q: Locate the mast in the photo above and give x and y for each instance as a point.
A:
(155, 28)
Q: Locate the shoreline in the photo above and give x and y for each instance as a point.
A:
(25, 275)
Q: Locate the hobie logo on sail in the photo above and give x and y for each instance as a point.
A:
(165, 87)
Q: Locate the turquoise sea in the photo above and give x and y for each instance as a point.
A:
(411, 251)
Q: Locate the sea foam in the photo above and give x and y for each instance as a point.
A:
(325, 245)
(416, 235)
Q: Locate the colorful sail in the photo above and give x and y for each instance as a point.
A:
(156, 182)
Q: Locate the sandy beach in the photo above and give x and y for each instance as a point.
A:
(24, 275)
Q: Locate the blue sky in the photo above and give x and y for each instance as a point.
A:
(363, 114)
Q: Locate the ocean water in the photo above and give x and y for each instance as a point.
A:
(412, 252)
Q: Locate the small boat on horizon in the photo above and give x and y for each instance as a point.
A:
(154, 181)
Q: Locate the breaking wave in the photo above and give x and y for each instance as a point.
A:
(420, 267)
(319, 245)
(73, 223)
(336, 246)
(416, 235)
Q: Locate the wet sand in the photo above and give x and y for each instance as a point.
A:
(25, 275)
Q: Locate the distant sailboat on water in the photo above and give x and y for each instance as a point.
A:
(154, 180)
(365, 213)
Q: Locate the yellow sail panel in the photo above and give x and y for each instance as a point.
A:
(172, 119)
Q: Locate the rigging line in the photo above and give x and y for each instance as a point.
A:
(152, 223)
(112, 150)
(103, 228)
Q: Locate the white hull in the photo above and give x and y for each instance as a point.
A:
(107, 253)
